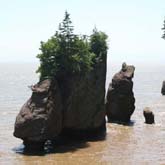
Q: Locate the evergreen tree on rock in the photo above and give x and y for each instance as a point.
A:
(68, 53)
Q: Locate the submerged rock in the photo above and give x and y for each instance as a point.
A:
(120, 97)
(148, 115)
(68, 103)
(163, 88)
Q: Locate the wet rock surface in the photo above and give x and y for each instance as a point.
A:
(148, 115)
(120, 97)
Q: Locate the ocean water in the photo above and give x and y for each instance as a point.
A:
(136, 144)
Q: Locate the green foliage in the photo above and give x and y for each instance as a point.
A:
(67, 53)
(98, 43)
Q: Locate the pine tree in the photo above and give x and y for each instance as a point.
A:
(67, 53)
(66, 33)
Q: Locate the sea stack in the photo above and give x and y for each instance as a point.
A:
(120, 101)
(148, 115)
(70, 104)
(163, 88)
(69, 99)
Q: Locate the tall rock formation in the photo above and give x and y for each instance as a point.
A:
(120, 97)
(67, 103)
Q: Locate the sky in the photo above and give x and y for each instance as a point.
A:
(133, 27)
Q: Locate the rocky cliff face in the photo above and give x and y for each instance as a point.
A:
(72, 103)
(84, 101)
(120, 97)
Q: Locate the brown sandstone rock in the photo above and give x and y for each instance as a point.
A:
(120, 97)
(68, 103)
(41, 116)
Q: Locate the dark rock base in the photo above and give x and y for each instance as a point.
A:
(68, 136)
(85, 134)
(33, 145)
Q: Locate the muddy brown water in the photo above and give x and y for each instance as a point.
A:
(137, 143)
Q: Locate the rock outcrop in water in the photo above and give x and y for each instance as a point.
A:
(120, 97)
(68, 103)
(148, 115)
(41, 116)
(163, 88)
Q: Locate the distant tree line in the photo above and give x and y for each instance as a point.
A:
(68, 53)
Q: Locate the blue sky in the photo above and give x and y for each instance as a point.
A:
(133, 26)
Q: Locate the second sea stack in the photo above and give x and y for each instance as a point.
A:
(120, 97)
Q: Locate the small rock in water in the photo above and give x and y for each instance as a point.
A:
(148, 115)
(163, 88)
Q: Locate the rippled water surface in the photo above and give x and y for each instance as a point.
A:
(135, 144)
